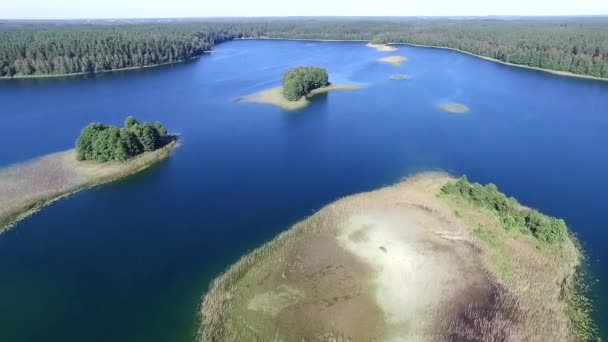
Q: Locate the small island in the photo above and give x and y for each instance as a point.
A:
(298, 87)
(454, 108)
(399, 77)
(103, 154)
(430, 258)
(393, 60)
(381, 47)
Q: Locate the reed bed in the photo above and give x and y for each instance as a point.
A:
(26, 188)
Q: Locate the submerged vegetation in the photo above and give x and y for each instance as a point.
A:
(301, 81)
(546, 229)
(104, 143)
(455, 108)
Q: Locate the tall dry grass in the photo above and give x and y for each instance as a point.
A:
(27, 187)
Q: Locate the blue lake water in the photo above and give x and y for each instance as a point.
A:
(129, 261)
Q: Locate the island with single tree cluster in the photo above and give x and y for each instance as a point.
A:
(103, 153)
(299, 86)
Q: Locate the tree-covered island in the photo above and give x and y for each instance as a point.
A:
(299, 82)
(103, 154)
(299, 85)
(106, 143)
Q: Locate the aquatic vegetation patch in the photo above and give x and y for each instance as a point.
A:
(399, 77)
(25, 188)
(456, 108)
(393, 60)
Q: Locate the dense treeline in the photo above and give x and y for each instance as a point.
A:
(110, 143)
(576, 45)
(57, 50)
(299, 82)
(546, 229)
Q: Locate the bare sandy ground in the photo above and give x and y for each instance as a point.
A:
(26, 187)
(393, 60)
(275, 97)
(382, 47)
(395, 264)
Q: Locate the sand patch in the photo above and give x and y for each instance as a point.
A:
(399, 77)
(275, 97)
(393, 60)
(417, 271)
(382, 47)
(454, 108)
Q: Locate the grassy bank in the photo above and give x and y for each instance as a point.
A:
(534, 254)
(510, 272)
(26, 188)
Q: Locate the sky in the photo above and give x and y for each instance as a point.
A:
(81, 9)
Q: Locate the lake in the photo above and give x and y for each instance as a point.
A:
(129, 261)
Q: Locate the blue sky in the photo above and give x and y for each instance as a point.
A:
(70, 9)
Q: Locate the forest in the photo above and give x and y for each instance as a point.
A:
(577, 45)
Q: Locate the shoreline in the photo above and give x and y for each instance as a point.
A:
(523, 66)
(84, 175)
(550, 71)
(25, 77)
(269, 290)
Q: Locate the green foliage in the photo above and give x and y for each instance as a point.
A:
(110, 143)
(84, 143)
(299, 82)
(130, 121)
(546, 229)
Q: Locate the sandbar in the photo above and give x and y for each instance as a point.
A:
(382, 47)
(275, 96)
(393, 60)
(27, 187)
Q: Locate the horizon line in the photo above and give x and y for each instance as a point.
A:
(319, 17)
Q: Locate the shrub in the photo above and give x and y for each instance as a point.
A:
(299, 82)
(545, 228)
(105, 143)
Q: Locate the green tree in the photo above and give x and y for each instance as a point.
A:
(105, 143)
(299, 82)
(84, 143)
(130, 122)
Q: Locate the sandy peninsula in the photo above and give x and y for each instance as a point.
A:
(393, 60)
(27, 187)
(275, 97)
(454, 108)
(382, 47)
(403, 263)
